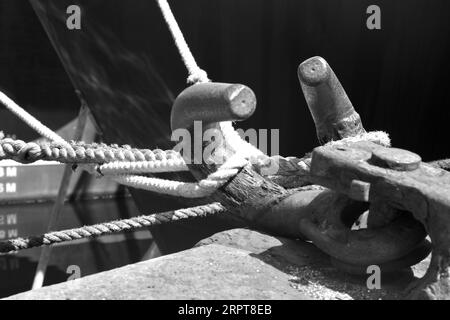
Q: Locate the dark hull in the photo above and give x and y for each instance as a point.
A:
(125, 64)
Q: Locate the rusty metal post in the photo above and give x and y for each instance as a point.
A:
(332, 111)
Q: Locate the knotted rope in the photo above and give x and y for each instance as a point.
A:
(96, 230)
(196, 74)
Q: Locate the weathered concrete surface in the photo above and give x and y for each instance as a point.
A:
(234, 264)
(209, 272)
(311, 271)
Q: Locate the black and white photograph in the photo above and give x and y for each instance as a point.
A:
(225, 154)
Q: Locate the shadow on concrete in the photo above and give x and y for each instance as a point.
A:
(309, 268)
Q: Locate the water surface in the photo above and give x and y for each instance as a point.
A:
(89, 256)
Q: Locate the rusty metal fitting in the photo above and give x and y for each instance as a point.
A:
(399, 179)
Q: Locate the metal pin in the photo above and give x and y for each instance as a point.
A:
(333, 113)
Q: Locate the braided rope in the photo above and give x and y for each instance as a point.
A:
(195, 73)
(75, 152)
(96, 230)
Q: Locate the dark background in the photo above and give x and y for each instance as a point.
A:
(396, 77)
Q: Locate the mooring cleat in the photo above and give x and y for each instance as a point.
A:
(322, 216)
(331, 109)
(392, 238)
(269, 206)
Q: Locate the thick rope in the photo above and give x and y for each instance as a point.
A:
(30, 120)
(76, 152)
(196, 74)
(96, 230)
(200, 189)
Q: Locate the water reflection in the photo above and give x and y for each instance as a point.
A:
(91, 256)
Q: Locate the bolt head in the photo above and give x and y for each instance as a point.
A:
(396, 159)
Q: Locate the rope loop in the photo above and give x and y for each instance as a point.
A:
(198, 76)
